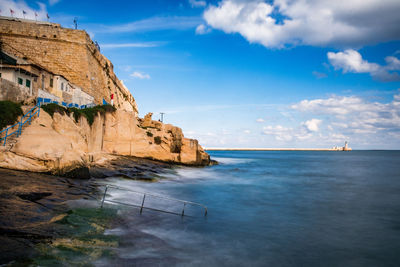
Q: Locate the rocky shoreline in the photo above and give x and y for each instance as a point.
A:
(61, 144)
(36, 215)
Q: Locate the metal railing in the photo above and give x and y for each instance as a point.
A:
(64, 104)
(27, 118)
(142, 206)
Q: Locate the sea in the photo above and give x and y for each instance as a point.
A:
(264, 208)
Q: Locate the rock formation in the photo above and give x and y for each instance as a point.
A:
(59, 144)
(67, 52)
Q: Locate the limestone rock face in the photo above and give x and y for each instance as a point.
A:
(60, 144)
(148, 122)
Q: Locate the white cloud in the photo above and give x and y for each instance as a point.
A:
(53, 2)
(247, 131)
(260, 120)
(279, 132)
(140, 75)
(319, 75)
(352, 61)
(152, 24)
(288, 134)
(127, 45)
(19, 6)
(351, 114)
(308, 22)
(202, 29)
(393, 63)
(197, 3)
(313, 124)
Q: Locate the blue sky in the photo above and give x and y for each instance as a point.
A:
(236, 73)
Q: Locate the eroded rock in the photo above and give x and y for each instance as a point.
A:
(62, 146)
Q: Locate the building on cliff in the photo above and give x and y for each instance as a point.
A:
(33, 81)
(65, 65)
(68, 53)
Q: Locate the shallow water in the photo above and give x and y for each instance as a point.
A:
(268, 209)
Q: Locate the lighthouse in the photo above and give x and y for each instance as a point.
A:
(346, 147)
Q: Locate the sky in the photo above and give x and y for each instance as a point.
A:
(251, 74)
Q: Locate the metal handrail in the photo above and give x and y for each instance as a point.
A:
(153, 195)
(21, 123)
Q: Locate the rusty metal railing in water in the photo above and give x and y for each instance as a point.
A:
(142, 206)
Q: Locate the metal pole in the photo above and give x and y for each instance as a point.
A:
(162, 116)
(183, 210)
(20, 127)
(104, 196)
(5, 138)
(141, 209)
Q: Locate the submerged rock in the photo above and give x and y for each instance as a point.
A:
(81, 172)
(30, 203)
(130, 168)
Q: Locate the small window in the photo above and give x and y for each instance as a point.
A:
(28, 83)
(51, 82)
(0, 74)
(62, 86)
(20, 81)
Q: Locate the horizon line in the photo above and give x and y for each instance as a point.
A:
(287, 149)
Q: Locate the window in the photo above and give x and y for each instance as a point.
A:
(20, 81)
(0, 74)
(62, 86)
(28, 83)
(51, 82)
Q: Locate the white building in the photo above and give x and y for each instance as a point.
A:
(20, 76)
(34, 80)
(80, 97)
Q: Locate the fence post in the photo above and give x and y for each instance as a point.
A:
(141, 209)
(20, 127)
(104, 196)
(39, 109)
(5, 138)
(183, 210)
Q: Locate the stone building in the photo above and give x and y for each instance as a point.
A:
(67, 52)
(14, 70)
(39, 82)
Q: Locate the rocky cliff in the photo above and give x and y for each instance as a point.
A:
(67, 52)
(59, 144)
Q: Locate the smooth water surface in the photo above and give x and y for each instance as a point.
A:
(269, 209)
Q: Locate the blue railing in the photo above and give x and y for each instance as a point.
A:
(64, 104)
(27, 118)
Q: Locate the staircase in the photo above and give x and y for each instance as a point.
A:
(8, 136)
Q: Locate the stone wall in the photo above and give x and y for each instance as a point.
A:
(67, 52)
(12, 91)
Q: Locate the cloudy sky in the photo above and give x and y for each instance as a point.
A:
(235, 73)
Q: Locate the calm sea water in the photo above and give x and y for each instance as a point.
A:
(268, 209)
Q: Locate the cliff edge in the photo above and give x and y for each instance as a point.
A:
(60, 144)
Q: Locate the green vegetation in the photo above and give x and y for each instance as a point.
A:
(82, 239)
(157, 140)
(9, 113)
(149, 134)
(88, 113)
(52, 108)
